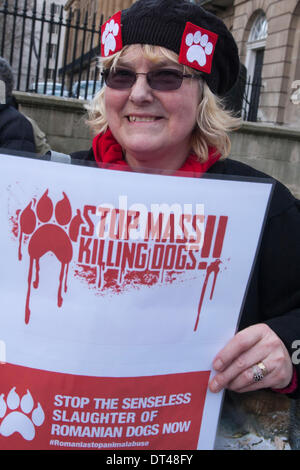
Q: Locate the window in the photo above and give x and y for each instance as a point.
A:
(48, 74)
(259, 30)
(51, 50)
(53, 28)
(254, 63)
(54, 8)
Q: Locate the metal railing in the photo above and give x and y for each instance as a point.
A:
(49, 50)
(243, 98)
(63, 44)
(251, 97)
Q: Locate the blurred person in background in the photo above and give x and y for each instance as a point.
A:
(17, 131)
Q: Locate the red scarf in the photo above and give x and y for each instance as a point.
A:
(108, 151)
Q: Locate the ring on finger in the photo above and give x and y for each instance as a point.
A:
(259, 371)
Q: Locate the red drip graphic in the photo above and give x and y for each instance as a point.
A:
(212, 268)
(49, 237)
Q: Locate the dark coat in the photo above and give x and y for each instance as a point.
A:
(273, 295)
(16, 132)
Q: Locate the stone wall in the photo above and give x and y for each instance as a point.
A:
(272, 149)
(61, 119)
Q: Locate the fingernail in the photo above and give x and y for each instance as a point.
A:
(214, 386)
(218, 364)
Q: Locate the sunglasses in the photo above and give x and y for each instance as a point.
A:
(161, 79)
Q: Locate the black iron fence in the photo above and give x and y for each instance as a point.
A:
(244, 97)
(251, 99)
(55, 53)
(50, 51)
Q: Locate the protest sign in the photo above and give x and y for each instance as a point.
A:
(117, 291)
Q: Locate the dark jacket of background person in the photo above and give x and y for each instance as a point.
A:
(16, 132)
(40, 140)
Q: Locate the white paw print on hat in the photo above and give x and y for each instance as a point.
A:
(199, 47)
(108, 37)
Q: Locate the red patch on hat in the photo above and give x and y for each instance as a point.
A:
(111, 36)
(197, 47)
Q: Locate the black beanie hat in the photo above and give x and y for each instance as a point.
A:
(200, 38)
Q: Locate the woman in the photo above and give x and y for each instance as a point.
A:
(164, 63)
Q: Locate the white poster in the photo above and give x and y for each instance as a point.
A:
(117, 291)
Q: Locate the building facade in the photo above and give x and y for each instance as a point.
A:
(105, 7)
(267, 33)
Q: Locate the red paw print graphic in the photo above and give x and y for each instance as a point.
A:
(48, 237)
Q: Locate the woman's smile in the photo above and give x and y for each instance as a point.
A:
(144, 119)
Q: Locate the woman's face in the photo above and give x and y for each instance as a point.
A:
(153, 127)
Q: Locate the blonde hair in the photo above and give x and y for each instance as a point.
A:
(212, 124)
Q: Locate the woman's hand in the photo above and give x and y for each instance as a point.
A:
(234, 363)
